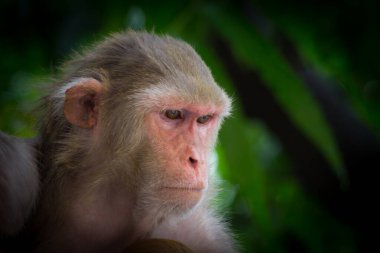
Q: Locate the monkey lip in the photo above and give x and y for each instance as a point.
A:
(191, 189)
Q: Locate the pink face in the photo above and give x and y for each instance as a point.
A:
(183, 136)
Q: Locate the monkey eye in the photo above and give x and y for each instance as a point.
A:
(204, 119)
(173, 114)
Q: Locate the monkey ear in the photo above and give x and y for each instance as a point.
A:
(81, 107)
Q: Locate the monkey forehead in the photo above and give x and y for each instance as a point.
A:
(165, 96)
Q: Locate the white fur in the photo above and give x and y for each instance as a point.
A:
(202, 231)
(61, 91)
(161, 94)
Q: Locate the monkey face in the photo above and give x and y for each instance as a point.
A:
(181, 137)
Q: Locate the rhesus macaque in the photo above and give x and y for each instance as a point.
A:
(19, 183)
(123, 154)
(157, 246)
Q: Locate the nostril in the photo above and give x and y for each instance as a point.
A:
(193, 161)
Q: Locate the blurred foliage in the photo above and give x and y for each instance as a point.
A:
(269, 210)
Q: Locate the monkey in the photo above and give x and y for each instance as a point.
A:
(158, 246)
(122, 153)
(19, 182)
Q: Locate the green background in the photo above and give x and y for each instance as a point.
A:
(299, 154)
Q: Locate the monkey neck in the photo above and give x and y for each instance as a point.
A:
(91, 193)
(99, 211)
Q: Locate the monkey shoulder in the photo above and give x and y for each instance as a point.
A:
(19, 182)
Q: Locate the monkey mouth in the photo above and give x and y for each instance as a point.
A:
(184, 189)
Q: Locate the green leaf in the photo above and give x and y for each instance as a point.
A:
(260, 54)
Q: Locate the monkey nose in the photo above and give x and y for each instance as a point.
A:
(193, 162)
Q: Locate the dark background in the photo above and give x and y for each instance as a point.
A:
(300, 152)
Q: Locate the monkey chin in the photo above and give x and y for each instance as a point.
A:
(181, 199)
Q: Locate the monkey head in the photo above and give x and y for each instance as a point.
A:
(148, 104)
